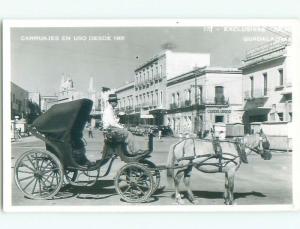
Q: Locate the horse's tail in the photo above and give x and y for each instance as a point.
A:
(170, 164)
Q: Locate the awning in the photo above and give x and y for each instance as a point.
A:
(146, 116)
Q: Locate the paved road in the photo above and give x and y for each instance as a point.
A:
(259, 182)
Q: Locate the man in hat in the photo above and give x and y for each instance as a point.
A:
(111, 123)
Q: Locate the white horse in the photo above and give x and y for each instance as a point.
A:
(212, 156)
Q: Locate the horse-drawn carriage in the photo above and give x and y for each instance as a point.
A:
(40, 174)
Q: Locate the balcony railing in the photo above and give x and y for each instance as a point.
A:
(210, 101)
(257, 93)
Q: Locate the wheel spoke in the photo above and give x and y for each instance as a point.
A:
(32, 169)
(21, 171)
(40, 187)
(57, 179)
(29, 159)
(29, 184)
(48, 171)
(26, 178)
(46, 167)
(47, 178)
(41, 166)
(140, 189)
(52, 181)
(122, 179)
(34, 186)
(127, 189)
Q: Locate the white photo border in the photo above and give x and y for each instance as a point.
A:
(7, 176)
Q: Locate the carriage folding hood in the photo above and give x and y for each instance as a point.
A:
(64, 121)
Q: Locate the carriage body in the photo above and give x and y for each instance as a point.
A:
(61, 127)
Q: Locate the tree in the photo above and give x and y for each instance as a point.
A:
(34, 111)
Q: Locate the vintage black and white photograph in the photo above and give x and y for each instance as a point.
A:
(154, 113)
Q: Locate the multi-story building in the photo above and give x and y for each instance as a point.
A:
(19, 100)
(200, 98)
(150, 81)
(126, 104)
(268, 87)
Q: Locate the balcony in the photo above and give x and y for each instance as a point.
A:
(188, 105)
(137, 108)
(255, 94)
(217, 101)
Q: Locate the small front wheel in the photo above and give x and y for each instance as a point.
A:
(134, 183)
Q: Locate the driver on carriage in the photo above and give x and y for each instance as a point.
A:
(115, 131)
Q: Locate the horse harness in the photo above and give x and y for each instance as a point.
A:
(218, 154)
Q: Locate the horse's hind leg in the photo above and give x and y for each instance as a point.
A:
(177, 180)
(187, 180)
(229, 186)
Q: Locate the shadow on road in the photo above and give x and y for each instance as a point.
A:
(101, 190)
(219, 195)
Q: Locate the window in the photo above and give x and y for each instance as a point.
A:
(189, 95)
(161, 97)
(265, 84)
(219, 118)
(280, 71)
(161, 71)
(151, 73)
(177, 98)
(251, 86)
(219, 95)
(280, 116)
(173, 98)
(291, 116)
(199, 95)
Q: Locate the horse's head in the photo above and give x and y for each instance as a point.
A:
(260, 144)
(263, 146)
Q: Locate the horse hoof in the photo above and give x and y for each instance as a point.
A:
(180, 202)
(195, 201)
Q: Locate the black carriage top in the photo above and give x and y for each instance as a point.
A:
(64, 120)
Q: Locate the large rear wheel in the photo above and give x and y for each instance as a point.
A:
(134, 183)
(39, 174)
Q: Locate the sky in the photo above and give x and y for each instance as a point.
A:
(38, 65)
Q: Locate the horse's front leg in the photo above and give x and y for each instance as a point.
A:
(229, 186)
(187, 181)
(177, 180)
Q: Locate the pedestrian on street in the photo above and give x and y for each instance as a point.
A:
(159, 134)
(90, 132)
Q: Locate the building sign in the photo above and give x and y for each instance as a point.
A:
(219, 111)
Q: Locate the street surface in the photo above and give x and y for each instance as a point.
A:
(259, 182)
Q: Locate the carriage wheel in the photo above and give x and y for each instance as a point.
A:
(134, 183)
(155, 173)
(39, 174)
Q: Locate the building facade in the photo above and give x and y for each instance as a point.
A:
(267, 86)
(199, 99)
(19, 101)
(126, 104)
(150, 81)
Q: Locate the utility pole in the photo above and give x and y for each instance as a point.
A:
(196, 106)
